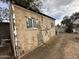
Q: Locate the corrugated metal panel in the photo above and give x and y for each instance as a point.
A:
(4, 31)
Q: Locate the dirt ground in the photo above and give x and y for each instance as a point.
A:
(65, 46)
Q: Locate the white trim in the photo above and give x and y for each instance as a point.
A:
(13, 7)
(15, 33)
(13, 16)
(14, 27)
(16, 42)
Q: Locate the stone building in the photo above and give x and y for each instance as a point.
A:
(29, 30)
(23, 30)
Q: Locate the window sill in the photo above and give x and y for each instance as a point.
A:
(32, 28)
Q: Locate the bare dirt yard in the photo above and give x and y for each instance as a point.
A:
(65, 46)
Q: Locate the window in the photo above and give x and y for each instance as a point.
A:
(29, 23)
(32, 23)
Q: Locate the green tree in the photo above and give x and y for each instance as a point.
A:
(68, 23)
(74, 16)
(30, 4)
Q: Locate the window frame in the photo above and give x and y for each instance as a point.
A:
(33, 25)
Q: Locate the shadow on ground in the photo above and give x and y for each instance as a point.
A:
(65, 46)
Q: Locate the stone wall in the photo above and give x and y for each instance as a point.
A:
(30, 38)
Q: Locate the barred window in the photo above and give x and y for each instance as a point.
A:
(32, 23)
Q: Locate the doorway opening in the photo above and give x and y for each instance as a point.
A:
(5, 41)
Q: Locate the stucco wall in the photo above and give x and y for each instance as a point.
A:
(30, 38)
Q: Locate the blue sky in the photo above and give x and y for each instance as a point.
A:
(56, 8)
(59, 8)
(4, 5)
